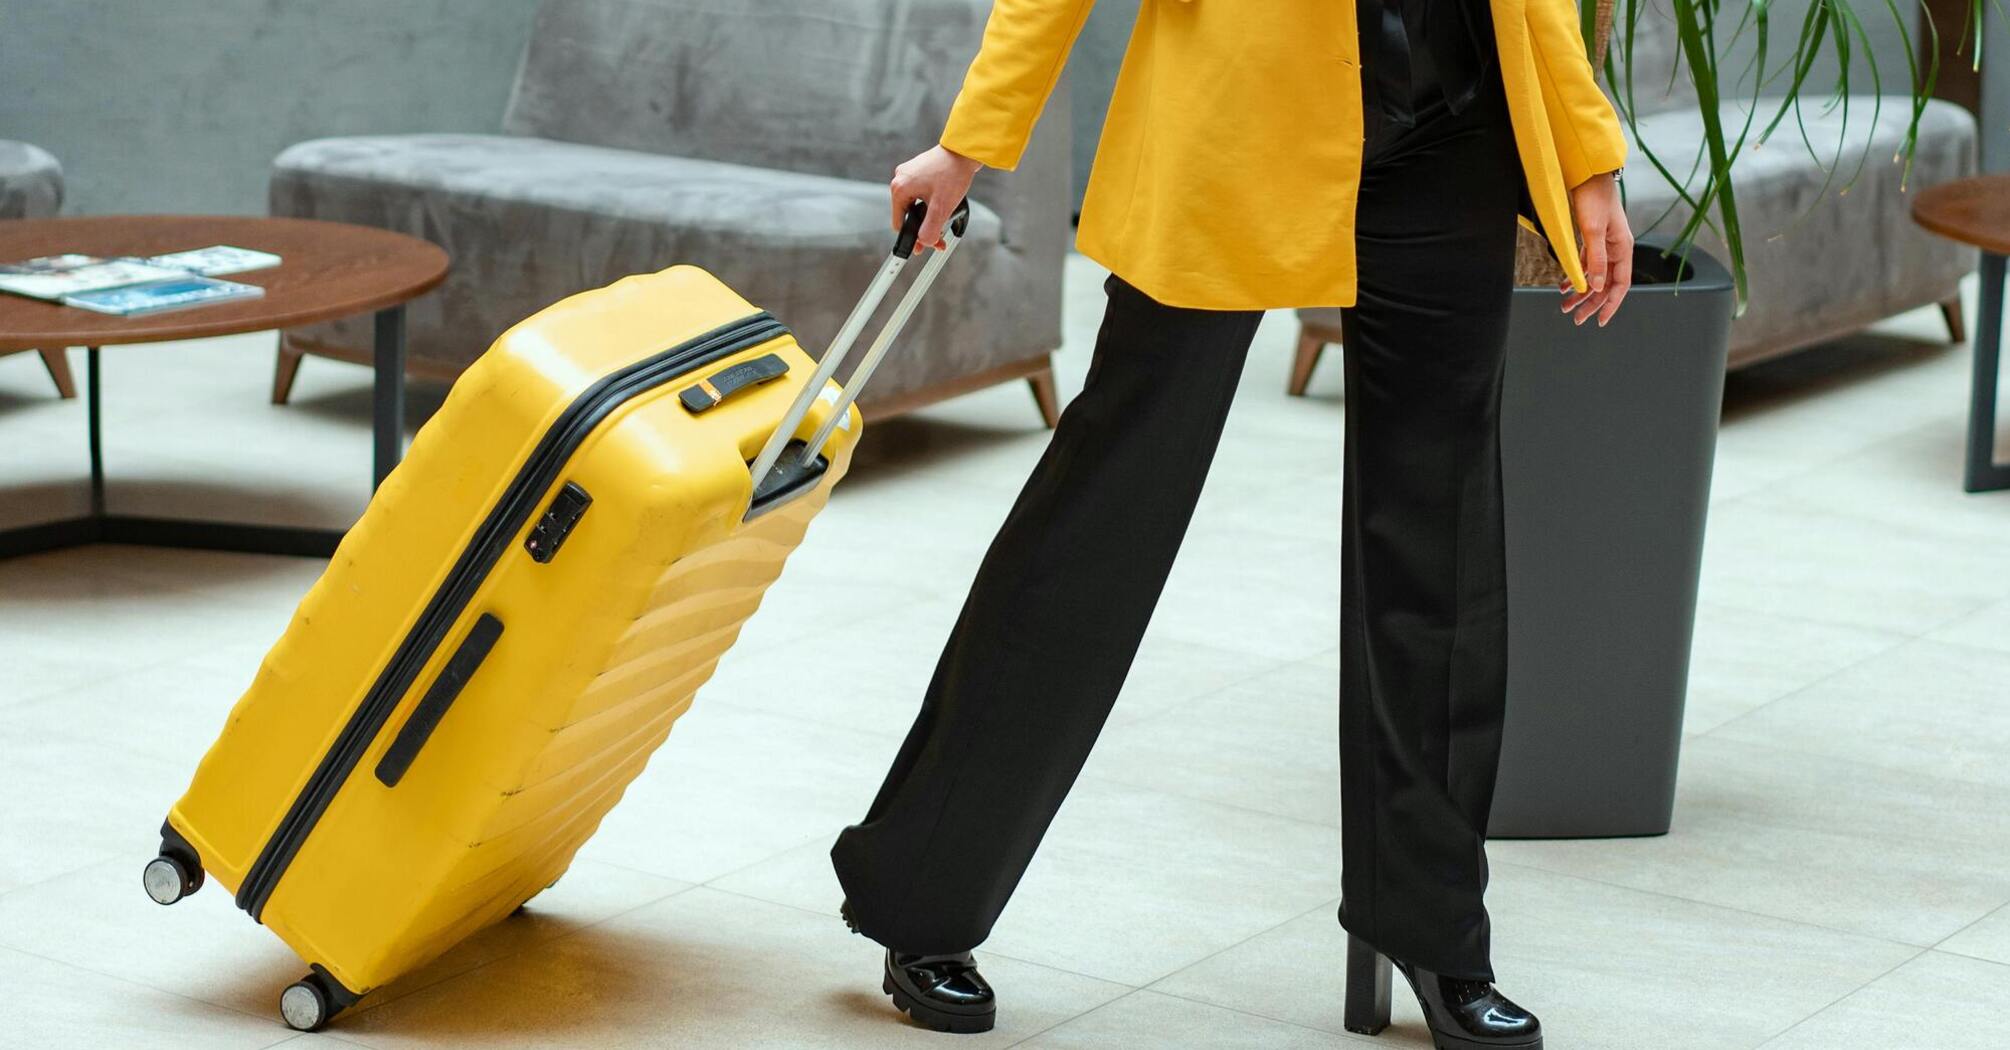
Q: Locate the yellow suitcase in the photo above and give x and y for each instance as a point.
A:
(527, 604)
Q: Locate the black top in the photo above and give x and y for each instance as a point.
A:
(1400, 79)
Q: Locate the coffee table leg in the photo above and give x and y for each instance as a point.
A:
(94, 420)
(1984, 474)
(390, 392)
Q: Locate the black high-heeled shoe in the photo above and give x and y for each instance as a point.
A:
(1461, 1014)
(942, 992)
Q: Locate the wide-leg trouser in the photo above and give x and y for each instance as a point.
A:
(1423, 610)
(1053, 621)
(1048, 632)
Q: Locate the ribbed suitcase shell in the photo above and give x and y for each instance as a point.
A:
(601, 648)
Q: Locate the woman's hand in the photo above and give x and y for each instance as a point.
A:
(1608, 249)
(941, 178)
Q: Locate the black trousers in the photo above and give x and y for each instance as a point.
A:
(1064, 594)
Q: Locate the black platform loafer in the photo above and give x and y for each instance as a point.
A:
(943, 992)
(1462, 1014)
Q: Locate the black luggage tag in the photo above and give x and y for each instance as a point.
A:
(709, 392)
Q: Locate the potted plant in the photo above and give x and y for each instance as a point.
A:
(1608, 435)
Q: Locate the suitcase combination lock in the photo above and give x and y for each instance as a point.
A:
(565, 511)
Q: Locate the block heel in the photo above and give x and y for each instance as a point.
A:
(1461, 1014)
(1368, 983)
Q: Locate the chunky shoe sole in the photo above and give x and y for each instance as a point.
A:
(1453, 1042)
(934, 1017)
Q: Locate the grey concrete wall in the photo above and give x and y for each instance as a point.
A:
(180, 107)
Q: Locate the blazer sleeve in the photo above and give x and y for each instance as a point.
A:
(1581, 119)
(1026, 42)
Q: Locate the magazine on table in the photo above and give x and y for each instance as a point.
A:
(175, 293)
(172, 281)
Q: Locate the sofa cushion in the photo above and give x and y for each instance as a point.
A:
(1822, 259)
(529, 221)
(31, 182)
(842, 87)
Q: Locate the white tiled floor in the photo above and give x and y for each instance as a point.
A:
(1838, 876)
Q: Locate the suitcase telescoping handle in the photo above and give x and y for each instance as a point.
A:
(903, 249)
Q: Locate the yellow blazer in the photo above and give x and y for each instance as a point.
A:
(1230, 162)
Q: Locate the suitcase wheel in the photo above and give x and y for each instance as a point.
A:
(169, 878)
(313, 1001)
(305, 1006)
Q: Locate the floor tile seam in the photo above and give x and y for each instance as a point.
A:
(1967, 782)
(1831, 1004)
(1705, 603)
(129, 982)
(1077, 1017)
(1331, 903)
(78, 687)
(1719, 905)
(368, 1004)
(991, 952)
(1979, 920)
(1280, 666)
(1108, 781)
(107, 858)
(1832, 674)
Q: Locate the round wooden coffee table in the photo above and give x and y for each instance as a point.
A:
(329, 270)
(1977, 211)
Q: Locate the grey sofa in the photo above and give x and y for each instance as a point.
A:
(1821, 263)
(31, 187)
(753, 138)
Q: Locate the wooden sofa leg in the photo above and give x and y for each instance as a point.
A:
(1950, 309)
(1046, 394)
(1310, 346)
(57, 361)
(283, 372)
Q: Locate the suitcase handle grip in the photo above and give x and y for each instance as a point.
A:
(710, 392)
(917, 213)
(764, 465)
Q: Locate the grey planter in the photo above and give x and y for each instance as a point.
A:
(1607, 437)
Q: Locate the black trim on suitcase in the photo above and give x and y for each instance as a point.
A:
(445, 690)
(509, 516)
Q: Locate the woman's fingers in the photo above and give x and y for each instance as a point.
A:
(1594, 254)
(932, 223)
(938, 178)
(903, 187)
(1622, 275)
(1589, 306)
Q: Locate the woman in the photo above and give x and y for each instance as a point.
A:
(1262, 154)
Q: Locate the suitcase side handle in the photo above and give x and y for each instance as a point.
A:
(445, 690)
(875, 293)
